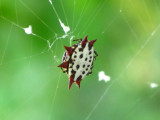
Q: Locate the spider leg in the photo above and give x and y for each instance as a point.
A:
(96, 54)
(79, 40)
(64, 71)
(74, 45)
(90, 72)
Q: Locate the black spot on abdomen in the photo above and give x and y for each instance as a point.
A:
(75, 56)
(79, 78)
(89, 46)
(81, 56)
(80, 49)
(77, 67)
(73, 72)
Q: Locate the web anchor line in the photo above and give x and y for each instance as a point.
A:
(36, 16)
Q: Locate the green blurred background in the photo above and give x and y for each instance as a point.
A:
(32, 87)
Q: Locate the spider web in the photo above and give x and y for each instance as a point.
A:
(32, 37)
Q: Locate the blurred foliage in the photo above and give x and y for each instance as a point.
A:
(32, 87)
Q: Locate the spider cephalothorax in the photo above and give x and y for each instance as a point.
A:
(78, 60)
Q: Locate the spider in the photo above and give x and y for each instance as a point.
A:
(78, 60)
